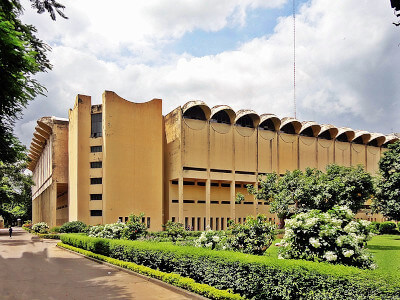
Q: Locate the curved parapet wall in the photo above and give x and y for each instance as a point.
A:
(247, 118)
(376, 140)
(361, 137)
(191, 110)
(345, 134)
(328, 132)
(269, 122)
(310, 129)
(222, 114)
(290, 125)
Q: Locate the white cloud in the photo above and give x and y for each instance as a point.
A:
(347, 62)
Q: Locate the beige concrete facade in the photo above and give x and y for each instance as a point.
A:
(188, 165)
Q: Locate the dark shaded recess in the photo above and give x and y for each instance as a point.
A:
(373, 143)
(326, 135)
(288, 128)
(307, 132)
(245, 121)
(342, 138)
(195, 113)
(358, 140)
(221, 117)
(267, 125)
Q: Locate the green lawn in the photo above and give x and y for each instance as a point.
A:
(385, 248)
(386, 251)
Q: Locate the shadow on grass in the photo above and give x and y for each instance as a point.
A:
(379, 247)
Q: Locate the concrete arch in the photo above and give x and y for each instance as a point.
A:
(251, 114)
(223, 108)
(390, 139)
(270, 118)
(377, 139)
(328, 132)
(310, 128)
(361, 137)
(191, 105)
(290, 125)
(345, 134)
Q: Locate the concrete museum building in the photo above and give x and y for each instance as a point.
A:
(110, 160)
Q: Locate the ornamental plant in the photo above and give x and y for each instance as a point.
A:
(333, 236)
(73, 227)
(40, 227)
(134, 228)
(211, 239)
(108, 231)
(253, 236)
(175, 230)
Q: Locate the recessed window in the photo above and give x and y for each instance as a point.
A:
(96, 197)
(307, 132)
(96, 149)
(342, 138)
(175, 201)
(326, 135)
(245, 121)
(126, 219)
(96, 213)
(195, 113)
(201, 183)
(173, 219)
(267, 125)
(96, 125)
(148, 222)
(214, 184)
(188, 201)
(288, 128)
(225, 185)
(358, 140)
(96, 180)
(96, 164)
(221, 117)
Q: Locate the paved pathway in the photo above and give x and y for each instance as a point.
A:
(31, 268)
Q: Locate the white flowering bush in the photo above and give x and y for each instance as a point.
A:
(211, 239)
(108, 231)
(333, 236)
(40, 227)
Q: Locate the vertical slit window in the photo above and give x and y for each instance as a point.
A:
(96, 125)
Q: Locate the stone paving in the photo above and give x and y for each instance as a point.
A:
(31, 268)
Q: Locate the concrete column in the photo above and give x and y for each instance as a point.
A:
(233, 198)
(208, 201)
(180, 200)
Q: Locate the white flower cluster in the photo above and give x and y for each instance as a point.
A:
(40, 227)
(333, 236)
(108, 231)
(208, 239)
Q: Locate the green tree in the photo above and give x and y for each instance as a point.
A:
(15, 192)
(22, 55)
(387, 199)
(297, 191)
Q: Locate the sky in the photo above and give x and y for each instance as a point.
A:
(233, 52)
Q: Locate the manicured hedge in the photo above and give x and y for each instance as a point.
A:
(256, 277)
(171, 278)
(388, 228)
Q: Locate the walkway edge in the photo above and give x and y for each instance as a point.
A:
(151, 279)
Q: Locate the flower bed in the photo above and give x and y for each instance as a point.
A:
(257, 277)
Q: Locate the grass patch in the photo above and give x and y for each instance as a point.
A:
(386, 251)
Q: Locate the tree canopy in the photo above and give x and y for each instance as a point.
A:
(387, 200)
(297, 191)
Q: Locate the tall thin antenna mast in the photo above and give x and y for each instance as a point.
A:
(294, 58)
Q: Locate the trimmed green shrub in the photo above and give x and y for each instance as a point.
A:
(48, 236)
(134, 228)
(175, 230)
(73, 227)
(55, 229)
(171, 278)
(254, 236)
(388, 228)
(252, 276)
(40, 227)
(374, 227)
(333, 236)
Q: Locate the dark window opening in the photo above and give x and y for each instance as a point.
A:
(193, 223)
(225, 185)
(214, 184)
(143, 219)
(96, 197)
(194, 169)
(120, 219)
(188, 201)
(342, 138)
(126, 219)
(96, 125)
(245, 121)
(211, 223)
(195, 113)
(186, 222)
(96, 149)
(188, 183)
(358, 140)
(373, 143)
(248, 202)
(238, 185)
(288, 128)
(96, 180)
(214, 202)
(148, 222)
(173, 219)
(244, 172)
(222, 224)
(96, 213)
(240, 220)
(216, 223)
(267, 125)
(225, 202)
(201, 183)
(198, 224)
(220, 171)
(174, 181)
(221, 117)
(307, 132)
(96, 164)
(204, 224)
(326, 135)
(175, 201)
(201, 201)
